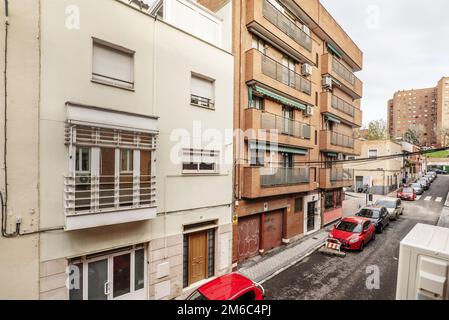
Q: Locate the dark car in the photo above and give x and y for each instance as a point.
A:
(378, 215)
(438, 171)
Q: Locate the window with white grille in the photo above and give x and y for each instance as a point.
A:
(202, 92)
(200, 161)
(111, 169)
(112, 65)
(372, 153)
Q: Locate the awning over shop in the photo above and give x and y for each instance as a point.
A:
(334, 50)
(281, 99)
(332, 155)
(261, 145)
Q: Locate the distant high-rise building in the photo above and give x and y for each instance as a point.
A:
(424, 110)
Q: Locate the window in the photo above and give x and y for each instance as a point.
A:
(126, 160)
(329, 200)
(200, 161)
(257, 157)
(299, 204)
(373, 153)
(257, 103)
(121, 162)
(259, 45)
(109, 275)
(249, 296)
(112, 65)
(202, 92)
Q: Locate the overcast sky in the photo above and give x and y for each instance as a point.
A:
(405, 45)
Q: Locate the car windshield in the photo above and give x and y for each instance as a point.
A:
(197, 296)
(408, 190)
(369, 213)
(416, 185)
(349, 227)
(387, 204)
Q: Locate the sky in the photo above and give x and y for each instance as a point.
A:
(405, 45)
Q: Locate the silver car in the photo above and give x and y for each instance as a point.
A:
(393, 205)
(418, 188)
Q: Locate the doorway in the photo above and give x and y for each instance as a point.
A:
(311, 206)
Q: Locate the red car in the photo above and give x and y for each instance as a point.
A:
(354, 233)
(229, 287)
(407, 194)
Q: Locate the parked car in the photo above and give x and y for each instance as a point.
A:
(431, 177)
(424, 183)
(393, 205)
(407, 193)
(438, 171)
(354, 233)
(418, 188)
(232, 286)
(378, 215)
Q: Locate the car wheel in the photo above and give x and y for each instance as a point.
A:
(362, 246)
(373, 237)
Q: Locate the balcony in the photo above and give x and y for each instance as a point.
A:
(267, 22)
(345, 77)
(336, 178)
(265, 182)
(266, 70)
(93, 201)
(339, 143)
(341, 108)
(289, 132)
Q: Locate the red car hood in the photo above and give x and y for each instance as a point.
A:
(344, 235)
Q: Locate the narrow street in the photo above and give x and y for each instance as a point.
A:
(326, 277)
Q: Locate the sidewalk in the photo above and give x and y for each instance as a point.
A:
(269, 266)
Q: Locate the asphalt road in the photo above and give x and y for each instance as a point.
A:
(332, 278)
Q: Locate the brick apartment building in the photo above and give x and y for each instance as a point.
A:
(424, 110)
(294, 74)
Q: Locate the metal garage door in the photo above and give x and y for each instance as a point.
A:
(273, 230)
(248, 237)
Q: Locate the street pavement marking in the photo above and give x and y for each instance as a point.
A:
(418, 197)
(439, 199)
(427, 198)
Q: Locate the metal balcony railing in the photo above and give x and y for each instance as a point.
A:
(343, 106)
(341, 140)
(341, 174)
(202, 102)
(343, 71)
(86, 194)
(285, 126)
(272, 177)
(283, 74)
(287, 26)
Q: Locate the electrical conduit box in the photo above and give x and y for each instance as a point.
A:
(424, 264)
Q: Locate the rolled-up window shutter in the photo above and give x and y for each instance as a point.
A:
(113, 64)
(202, 87)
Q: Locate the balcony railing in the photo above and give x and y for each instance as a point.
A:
(341, 140)
(343, 71)
(287, 26)
(285, 126)
(343, 106)
(340, 174)
(277, 71)
(272, 177)
(87, 194)
(202, 102)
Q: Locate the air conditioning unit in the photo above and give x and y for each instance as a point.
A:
(309, 111)
(327, 82)
(306, 70)
(423, 272)
(82, 179)
(306, 30)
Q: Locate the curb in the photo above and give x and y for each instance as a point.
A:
(291, 264)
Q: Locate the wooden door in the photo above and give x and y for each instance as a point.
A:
(197, 257)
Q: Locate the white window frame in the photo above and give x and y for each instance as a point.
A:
(133, 294)
(372, 150)
(105, 79)
(197, 157)
(199, 100)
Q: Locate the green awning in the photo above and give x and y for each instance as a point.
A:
(261, 145)
(332, 119)
(333, 155)
(334, 50)
(281, 99)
